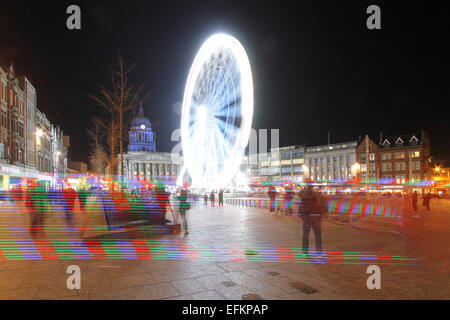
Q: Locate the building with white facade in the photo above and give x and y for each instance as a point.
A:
(331, 162)
(280, 164)
(142, 161)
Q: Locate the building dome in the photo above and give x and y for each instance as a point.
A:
(141, 136)
(141, 122)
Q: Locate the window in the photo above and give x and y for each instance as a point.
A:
(385, 156)
(415, 154)
(372, 157)
(386, 167)
(416, 165)
(363, 168)
(399, 166)
(399, 155)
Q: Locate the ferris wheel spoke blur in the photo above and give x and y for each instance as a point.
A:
(217, 112)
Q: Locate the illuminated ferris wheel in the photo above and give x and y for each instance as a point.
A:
(217, 112)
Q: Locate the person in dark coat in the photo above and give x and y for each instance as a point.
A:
(426, 201)
(211, 196)
(414, 198)
(272, 193)
(312, 206)
(221, 198)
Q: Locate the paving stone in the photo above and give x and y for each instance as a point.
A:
(213, 282)
(208, 295)
(303, 287)
(229, 284)
(158, 291)
(251, 296)
(235, 292)
(188, 286)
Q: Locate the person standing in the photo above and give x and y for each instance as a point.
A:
(162, 196)
(426, 201)
(205, 198)
(183, 207)
(272, 193)
(312, 206)
(220, 198)
(211, 196)
(414, 198)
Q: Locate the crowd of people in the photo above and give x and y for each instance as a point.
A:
(312, 207)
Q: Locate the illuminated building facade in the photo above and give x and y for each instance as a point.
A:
(24, 131)
(142, 161)
(331, 162)
(280, 164)
(403, 158)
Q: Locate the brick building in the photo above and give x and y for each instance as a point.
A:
(404, 157)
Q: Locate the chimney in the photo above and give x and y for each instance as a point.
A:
(381, 137)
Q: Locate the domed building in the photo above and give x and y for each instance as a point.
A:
(141, 135)
(142, 161)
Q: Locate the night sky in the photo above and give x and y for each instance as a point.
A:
(316, 67)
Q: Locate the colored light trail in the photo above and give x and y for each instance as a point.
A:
(51, 249)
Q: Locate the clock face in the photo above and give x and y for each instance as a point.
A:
(142, 126)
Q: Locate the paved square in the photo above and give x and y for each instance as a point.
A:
(210, 262)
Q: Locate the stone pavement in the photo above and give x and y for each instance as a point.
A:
(235, 230)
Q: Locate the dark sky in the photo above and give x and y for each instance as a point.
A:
(316, 67)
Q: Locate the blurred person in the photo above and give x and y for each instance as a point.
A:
(426, 201)
(414, 198)
(211, 196)
(70, 196)
(162, 196)
(272, 193)
(220, 198)
(288, 195)
(313, 205)
(36, 203)
(205, 199)
(183, 208)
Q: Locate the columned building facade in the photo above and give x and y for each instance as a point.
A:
(331, 162)
(142, 161)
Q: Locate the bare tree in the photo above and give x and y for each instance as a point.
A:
(118, 101)
(97, 155)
